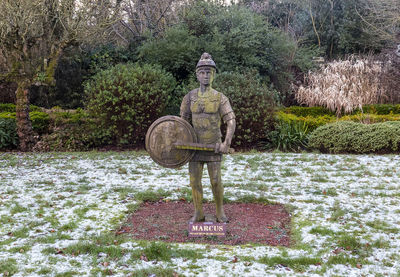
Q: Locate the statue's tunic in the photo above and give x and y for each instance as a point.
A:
(204, 111)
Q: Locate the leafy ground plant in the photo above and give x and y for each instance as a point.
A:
(289, 136)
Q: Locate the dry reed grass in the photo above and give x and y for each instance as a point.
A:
(343, 86)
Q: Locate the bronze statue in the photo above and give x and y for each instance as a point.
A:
(172, 142)
(203, 108)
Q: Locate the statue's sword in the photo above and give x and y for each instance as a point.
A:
(200, 147)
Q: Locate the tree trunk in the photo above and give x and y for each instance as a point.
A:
(24, 124)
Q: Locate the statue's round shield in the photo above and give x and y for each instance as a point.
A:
(162, 135)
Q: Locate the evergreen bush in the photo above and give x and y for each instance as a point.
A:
(127, 98)
(352, 137)
(8, 133)
(236, 37)
(254, 104)
(40, 120)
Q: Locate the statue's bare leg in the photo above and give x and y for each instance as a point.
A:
(214, 171)
(196, 172)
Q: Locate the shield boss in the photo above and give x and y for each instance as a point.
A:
(161, 136)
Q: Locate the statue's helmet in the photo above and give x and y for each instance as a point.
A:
(206, 60)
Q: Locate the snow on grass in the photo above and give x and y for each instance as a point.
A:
(59, 211)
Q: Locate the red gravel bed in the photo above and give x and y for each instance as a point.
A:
(248, 223)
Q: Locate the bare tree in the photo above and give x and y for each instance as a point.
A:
(383, 18)
(33, 35)
(146, 16)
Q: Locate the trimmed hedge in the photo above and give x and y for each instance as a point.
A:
(308, 111)
(351, 137)
(75, 137)
(310, 122)
(313, 122)
(371, 118)
(73, 130)
(10, 108)
(380, 109)
(40, 120)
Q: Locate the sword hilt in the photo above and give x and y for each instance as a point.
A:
(216, 149)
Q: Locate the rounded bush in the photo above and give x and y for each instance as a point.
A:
(352, 137)
(253, 103)
(127, 98)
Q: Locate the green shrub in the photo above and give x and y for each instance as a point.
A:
(73, 130)
(40, 120)
(370, 118)
(60, 117)
(309, 121)
(9, 115)
(308, 111)
(8, 133)
(289, 137)
(380, 109)
(351, 137)
(253, 103)
(75, 137)
(8, 107)
(127, 98)
(313, 122)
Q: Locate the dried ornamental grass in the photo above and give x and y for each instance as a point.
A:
(343, 86)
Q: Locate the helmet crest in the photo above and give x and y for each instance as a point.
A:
(206, 60)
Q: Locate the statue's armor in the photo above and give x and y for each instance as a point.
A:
(204, 111)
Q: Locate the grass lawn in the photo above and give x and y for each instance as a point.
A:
(59, 211)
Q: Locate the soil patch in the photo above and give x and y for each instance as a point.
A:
(248, 223)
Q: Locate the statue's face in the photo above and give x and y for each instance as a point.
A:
(205, 75)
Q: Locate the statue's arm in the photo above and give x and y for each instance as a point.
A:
(230, 130)
(228, 116)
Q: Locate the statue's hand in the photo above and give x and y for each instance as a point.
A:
(224, 148)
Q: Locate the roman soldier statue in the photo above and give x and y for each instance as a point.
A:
(204, 108)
